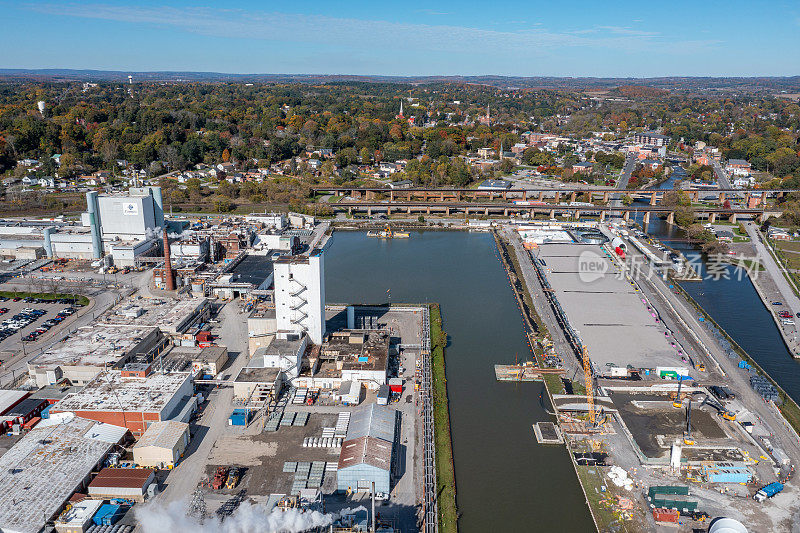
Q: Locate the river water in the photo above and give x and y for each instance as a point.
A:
(735, 305)
(505, 481)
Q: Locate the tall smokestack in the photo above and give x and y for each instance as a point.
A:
(169, 278)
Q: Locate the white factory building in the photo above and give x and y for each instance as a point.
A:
(300, 295)
(121, 226)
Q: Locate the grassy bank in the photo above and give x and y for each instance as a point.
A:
(445, 471)
(45, 296)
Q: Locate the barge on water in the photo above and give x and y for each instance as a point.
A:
(387, 233)
(523, 372)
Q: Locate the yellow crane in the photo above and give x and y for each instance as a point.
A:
(587, 377)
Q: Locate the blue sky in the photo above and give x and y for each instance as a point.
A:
(524, 38)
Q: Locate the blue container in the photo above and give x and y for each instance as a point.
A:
(108, 514)
(46, 412)
(239, 417)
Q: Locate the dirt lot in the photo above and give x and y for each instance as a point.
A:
(263, 454)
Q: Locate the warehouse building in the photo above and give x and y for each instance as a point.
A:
(128, 483)
(91, 349)
(348, 356)
(132, 402)
(122, 226)
(367, 453)
(41, 471)
(162, 445)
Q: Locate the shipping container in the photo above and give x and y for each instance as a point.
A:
(108, 514)
(239, 417)
(666, 515)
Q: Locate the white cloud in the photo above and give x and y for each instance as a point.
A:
(358, 33)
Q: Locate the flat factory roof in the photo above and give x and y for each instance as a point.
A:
(109, 391)
(170, 315)
(41, 471)
(96, 345)
(606, 310)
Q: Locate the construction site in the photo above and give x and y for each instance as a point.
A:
(662, 410)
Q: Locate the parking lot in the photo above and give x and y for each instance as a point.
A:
(26, 320)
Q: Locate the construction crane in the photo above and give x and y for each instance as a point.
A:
(687, 436)
(677, 403)
(587, 377)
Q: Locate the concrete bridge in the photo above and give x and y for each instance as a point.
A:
(545, 195)
(552, 210)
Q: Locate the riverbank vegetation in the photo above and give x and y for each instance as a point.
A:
(445, 470)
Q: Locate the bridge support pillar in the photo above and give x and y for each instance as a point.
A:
(552, 213)
(447, 211)
(733, 218)
(577, 215)
(646, 219)
(602, 216)
(391, 195)
(408, 209)
(428, 210)
(695, 196)
(605, 197)
(505, 212)
(722, 198)
(349, 211)
(626, 216)
(573, 196)
(653, 199)
(712, 217)
(747, 200)
(369, 211)
(505, 195)
(671, 217)
(388, 211)
(441, 197)
(558, 196)
(541, 196)
(486, 212)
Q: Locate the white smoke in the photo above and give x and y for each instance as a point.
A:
(247, 518)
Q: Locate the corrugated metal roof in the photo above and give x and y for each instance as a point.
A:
(366, 450)
(129, 478)
(372, 420)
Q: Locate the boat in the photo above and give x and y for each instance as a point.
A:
(387, 233)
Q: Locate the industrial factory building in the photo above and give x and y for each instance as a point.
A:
(172, 316)
(92, 349)
(131, 401)
(121, 226)
(41, 471)
(300, 294)
(367, 452)
(162, 445)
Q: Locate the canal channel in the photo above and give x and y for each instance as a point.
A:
(734, 304)
(505, 480)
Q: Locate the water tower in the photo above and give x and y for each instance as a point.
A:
(130, 80)
(42, 106)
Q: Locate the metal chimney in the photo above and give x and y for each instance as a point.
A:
(169, 279)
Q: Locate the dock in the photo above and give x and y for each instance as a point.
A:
(524, 372)
(547, 433)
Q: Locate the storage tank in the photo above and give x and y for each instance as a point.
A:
(94, 223)
(727, 525)
(48, 243)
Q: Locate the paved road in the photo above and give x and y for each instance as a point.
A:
(624, 178)
(183, 479)
(790, 299)
(722, 176)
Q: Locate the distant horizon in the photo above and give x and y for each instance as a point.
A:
(122, 71)
(629, 39)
